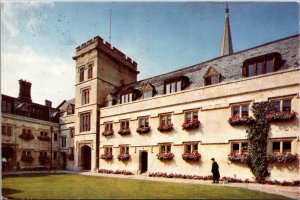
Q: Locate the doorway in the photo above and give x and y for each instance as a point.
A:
(86, 153)
(143, 161)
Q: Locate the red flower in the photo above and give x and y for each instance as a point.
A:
(191, 124)
(108, 133)
(165, 128)
(142, 130)
(125, 131)
(165, 156)
(191, 156)
(107, 156)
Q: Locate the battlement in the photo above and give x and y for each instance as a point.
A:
(98, 43)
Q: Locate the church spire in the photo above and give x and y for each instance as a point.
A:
(226, 48)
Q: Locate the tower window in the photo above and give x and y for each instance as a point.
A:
(85, 121)
(81, 74)
(85, 96)
(90, 71)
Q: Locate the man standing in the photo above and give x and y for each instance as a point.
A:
(215, 171)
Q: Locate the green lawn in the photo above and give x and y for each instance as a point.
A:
(60, 186)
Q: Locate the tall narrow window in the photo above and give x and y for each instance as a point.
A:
(144, 122)
(276, 147)
(90, 71)
(63, 142)
(286, 105)
(81, 74)
(72, 131)
(85, 96)
(55, 136)
(85, 121)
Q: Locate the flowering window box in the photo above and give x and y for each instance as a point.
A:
(108, 133)
(123, 157)
(27, 136)
(71, 156)
(165, 128)
(282, 157)
(143, 130)
(125, 131)
(236, 157)
(276, 116)
(44, 160)
(27, 158)
(165, 156)
(191, 124)
(44, 138)
(107, 156)
(237, 120)
(194, 156)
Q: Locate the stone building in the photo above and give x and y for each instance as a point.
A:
(30, 132)
(176, 122)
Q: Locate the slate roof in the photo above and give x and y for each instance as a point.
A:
(64, 106)
(230, 66)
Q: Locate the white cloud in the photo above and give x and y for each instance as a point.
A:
(51, 78)
(11, 15)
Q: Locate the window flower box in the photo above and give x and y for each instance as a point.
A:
(165, 128)
(125, 131)
(27, 136)
(107, 156)
(194, 156)
(108, 133)
(282, 157)
(191, 124)
(143, 130)
(70, 156)
(236, 157)
(237, 120)
(27, 158)
(165, 156)
(44, 160)
(44, 138)
(123, 157)
(276, 116)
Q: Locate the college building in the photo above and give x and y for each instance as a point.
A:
(175, 122)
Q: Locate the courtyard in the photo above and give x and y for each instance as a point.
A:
(74, 186)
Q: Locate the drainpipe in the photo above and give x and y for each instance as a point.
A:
(51, 156)
(97, 137)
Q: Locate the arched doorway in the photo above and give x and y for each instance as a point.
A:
(86, 153)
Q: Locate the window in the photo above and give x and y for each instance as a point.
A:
(26, 131)
(240, 110)
(26, 153)
(85, 96)
(55, 136)
(81, 74)
(190, 147)
(108, 150)
(108, 126)
(43, 154)
(147, 94)
(6, 106)
(85, 121)
(282, 146)
(212, 80)
(165, 120)
(72, 131)
(262, 64)
(282, 105)
(42, 133)
(191, 116)
(124, 149)
(6, 130)
(54, 155)
(124, 124)
(165, 148)
(173, 87)
(143, 122)
(70, 109)
(126, 98)
(90, 71)
(63, 142)
(239, 147)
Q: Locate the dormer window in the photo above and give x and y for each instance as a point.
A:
(175, 84)
(70, 109)
(148, 91)
(110, 100)
(212, 76)
(129, 95)
(262, 64)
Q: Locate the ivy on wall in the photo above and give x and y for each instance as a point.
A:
(258, 136)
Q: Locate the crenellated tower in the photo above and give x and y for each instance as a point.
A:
(100, 69)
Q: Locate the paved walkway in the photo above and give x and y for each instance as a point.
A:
(288, 191)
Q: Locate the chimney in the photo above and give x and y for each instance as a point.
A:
(25, 90)
(48, 103)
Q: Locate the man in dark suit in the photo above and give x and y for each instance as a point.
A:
(215, 171)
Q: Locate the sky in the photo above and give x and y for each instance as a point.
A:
(38, 39)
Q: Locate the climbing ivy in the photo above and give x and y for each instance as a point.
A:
(258, 136)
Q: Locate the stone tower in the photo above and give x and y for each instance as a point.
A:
(100, 69)
(226, 48)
